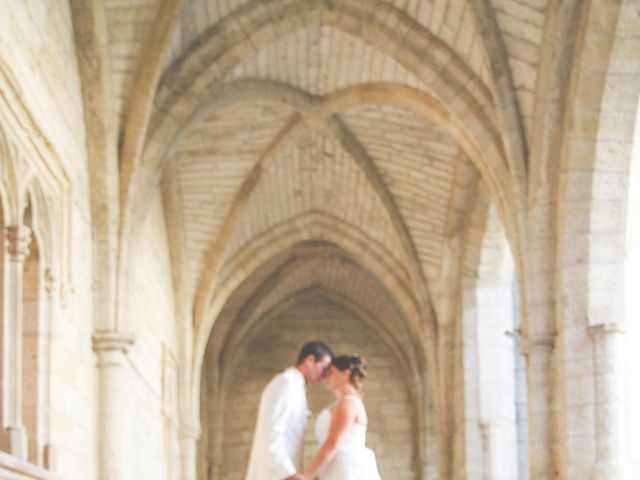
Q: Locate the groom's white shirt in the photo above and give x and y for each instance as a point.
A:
(276, 452)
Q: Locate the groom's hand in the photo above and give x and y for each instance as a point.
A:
(296, 476)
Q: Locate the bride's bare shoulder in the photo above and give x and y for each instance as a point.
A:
(349, 403)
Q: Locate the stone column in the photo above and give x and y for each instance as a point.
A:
(189, 451)
(608, 363)
(52, 288)
(111, 349)
(18, 239)
(491, 447)
(539, 352)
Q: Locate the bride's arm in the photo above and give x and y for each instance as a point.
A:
(342, 417)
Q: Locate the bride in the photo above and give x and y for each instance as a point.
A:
(342, 427)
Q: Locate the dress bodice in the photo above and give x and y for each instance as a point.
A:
(356, 437)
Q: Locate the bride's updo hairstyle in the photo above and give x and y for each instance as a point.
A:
(357, 367)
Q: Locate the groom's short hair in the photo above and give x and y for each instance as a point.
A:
(316, 348)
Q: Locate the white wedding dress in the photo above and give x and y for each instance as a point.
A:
(353, 461)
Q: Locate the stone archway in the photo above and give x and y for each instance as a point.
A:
(593, 226)
(494, 387)
(272, 345)
(297, 296)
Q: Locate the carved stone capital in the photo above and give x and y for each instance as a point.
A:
(604, 330)
(538, 344)
(112, 341)
(18, 238)
(50, 281)
(608, 359)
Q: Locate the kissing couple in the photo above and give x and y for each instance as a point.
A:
(340, 428)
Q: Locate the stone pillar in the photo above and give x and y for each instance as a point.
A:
(608, 363)
(539, 352)
(111, 349)
(52, 288)
(18, 239)
(189, 451)
(492, 448)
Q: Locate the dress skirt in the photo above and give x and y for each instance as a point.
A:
(352, 464)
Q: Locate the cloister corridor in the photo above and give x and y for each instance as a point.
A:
(192, 189)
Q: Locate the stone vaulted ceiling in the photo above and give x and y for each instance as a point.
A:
(268, 113)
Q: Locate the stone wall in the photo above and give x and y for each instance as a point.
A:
(42, 106)
(153, 358)
(632, 300)
(74, 393)
(37, 51)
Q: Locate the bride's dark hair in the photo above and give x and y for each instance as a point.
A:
(356, 365)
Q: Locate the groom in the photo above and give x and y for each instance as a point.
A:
(276, 452)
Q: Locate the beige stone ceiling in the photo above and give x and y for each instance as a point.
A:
(315, 174)
(313, 270)
(451, 20)
(212, 161)
(257, 157)
(320, 59)
(128, 25)
(423, 168)
(339, 276)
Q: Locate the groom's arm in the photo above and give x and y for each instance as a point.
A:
(280, 413)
